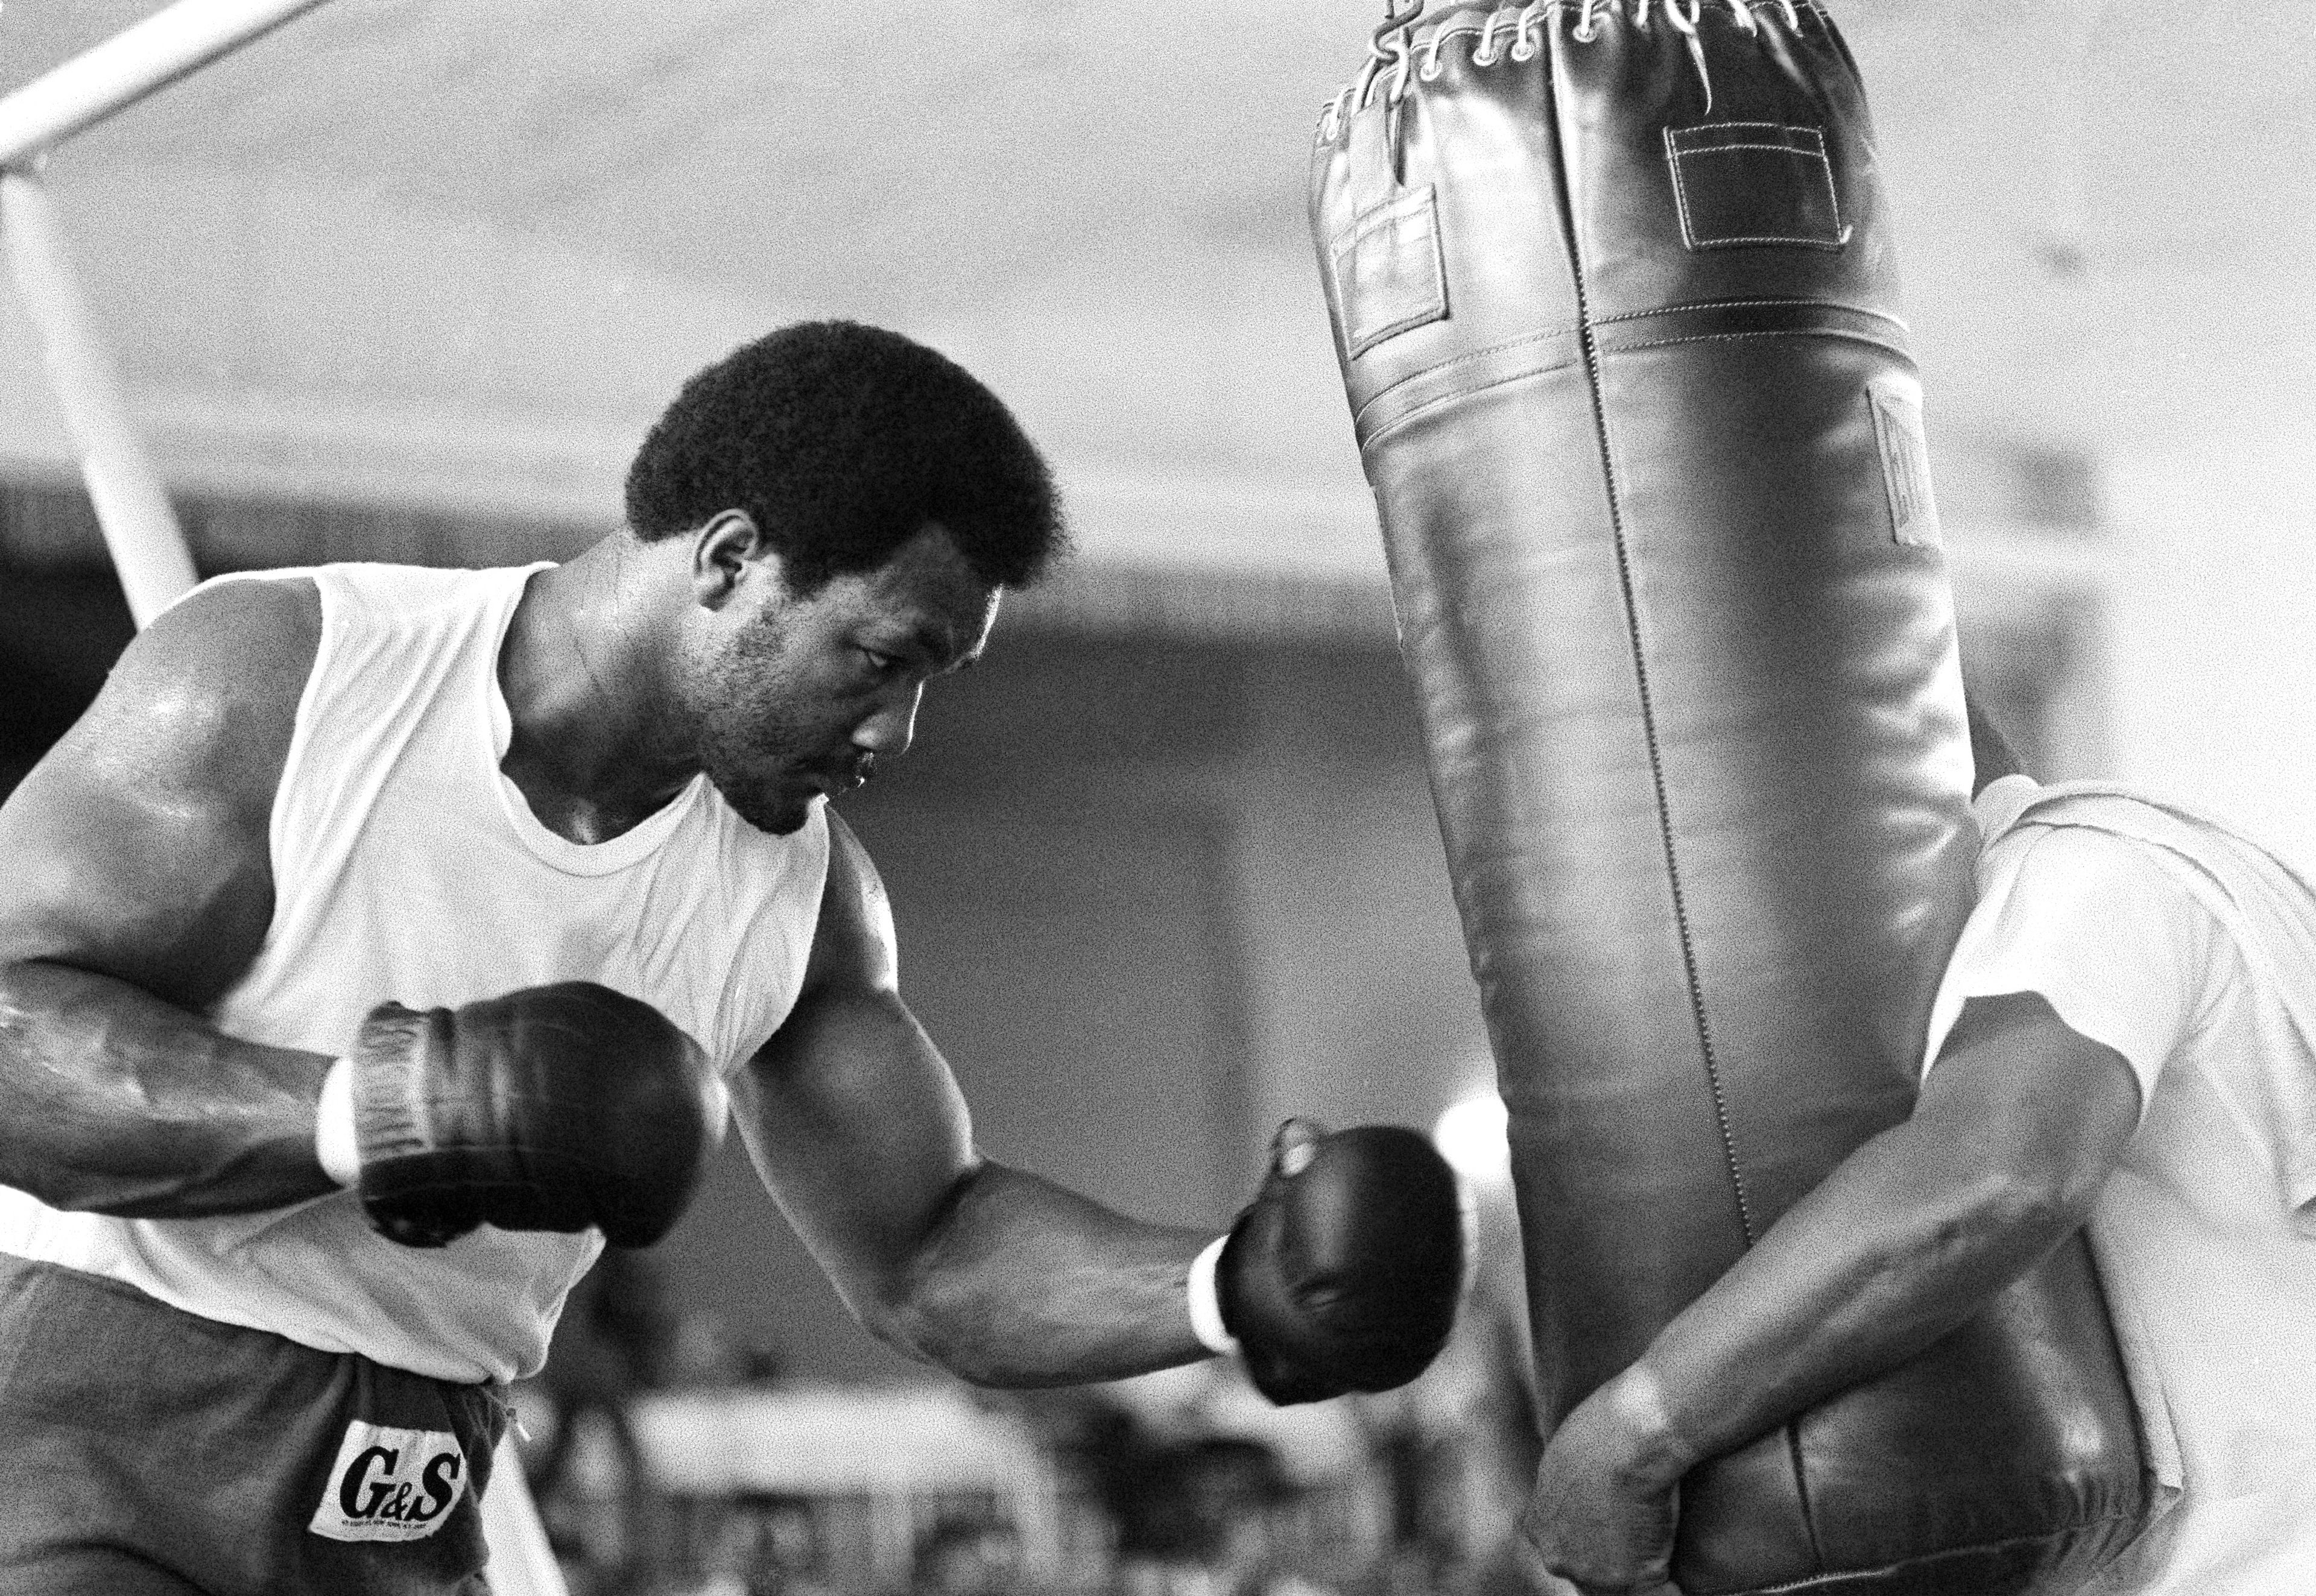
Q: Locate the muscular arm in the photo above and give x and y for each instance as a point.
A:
(2013, 1133)
(139, 889)
(860, 1132)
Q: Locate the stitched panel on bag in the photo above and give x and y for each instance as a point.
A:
(1740, 183)
(1389, 274)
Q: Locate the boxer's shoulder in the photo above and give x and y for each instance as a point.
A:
(853, 943)
(278, 617)
(188, 737)
(211, 687)
(138, 846)
(248, 642)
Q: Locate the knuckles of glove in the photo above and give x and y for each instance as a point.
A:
(1345, 1275)
(554, 1108)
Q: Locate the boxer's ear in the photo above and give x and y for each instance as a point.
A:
(728, 552)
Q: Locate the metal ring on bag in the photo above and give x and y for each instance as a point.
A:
(1391, 47)
(1528, 40)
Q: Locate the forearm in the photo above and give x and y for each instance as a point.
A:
(2015, 1133)
(1020, 1282)
(1906, 1241)
(114, 1102)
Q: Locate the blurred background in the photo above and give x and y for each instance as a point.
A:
(406, 280)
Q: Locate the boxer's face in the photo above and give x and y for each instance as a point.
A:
(792, 699)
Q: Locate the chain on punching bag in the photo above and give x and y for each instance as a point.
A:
(1614, 298)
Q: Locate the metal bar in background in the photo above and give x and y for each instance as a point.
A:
(150, 553)
(132, 508)
(140, 529)
(131, 65)
(521, 1561)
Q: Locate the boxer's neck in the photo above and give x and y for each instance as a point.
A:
(595, 748)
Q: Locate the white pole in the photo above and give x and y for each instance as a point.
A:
(523, 1563)
(129, 66)
(148, 549)
(140, 529)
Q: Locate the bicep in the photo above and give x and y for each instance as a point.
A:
(2122, 954)
(2020, 1092)
(855, 1123)
(858, 1130)
(138, 847)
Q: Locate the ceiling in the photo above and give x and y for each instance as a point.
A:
(899, 156)
(456, 247)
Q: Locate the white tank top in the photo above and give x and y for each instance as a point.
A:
(408, 867)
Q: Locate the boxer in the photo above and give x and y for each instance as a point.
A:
(383, 939)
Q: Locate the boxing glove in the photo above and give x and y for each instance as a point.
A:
(553, 1108)
(1344, 1273)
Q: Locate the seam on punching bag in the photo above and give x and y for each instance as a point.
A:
(1417, 411)
(1903, 353)
(1858, 310)
(1430, 374)
(1585, 334)
(1589, 337)
(1847, 1578)
(1801, 1487)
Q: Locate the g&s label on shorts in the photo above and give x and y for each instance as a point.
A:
(391, 1484)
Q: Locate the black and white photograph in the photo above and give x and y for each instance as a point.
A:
(1247, 798)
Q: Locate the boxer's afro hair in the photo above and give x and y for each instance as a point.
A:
(842, 441)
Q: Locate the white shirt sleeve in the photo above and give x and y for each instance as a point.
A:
(2125, 956)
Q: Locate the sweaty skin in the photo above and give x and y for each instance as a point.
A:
(144, 891)
(141, 892)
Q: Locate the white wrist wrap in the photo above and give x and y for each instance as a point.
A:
(336, 1144)
(1205, 1305)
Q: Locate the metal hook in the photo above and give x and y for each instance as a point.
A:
(1387, 46)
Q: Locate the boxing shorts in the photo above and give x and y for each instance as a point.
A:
(145, 1451)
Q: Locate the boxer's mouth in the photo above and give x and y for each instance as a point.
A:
(841, 778)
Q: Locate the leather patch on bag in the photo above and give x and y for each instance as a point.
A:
(1905, 453)
(390, 1485)
(1746, 183)
(1389, 272)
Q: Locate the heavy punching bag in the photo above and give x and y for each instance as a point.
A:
(1613, 293)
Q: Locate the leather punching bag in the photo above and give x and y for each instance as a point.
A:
(1613, 294)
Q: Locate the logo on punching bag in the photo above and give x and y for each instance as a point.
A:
(1905, 463)
(390, 1485)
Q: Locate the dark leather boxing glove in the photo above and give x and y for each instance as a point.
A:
(1345, 1272)
(553, 1108)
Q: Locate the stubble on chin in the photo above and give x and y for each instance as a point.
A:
(774, 816)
